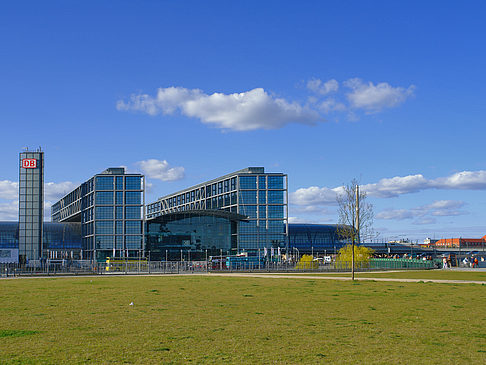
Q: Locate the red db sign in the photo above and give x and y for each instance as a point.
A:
(29, 163)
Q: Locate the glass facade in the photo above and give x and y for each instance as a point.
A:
(110, 209)
(314, 237)
(60, 240)
(31, 204)
(260, 196)
(192, 235)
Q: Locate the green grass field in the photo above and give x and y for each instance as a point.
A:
(412, 274)
(204, 319)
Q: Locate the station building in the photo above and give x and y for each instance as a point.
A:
(250, 207)
(109, 207)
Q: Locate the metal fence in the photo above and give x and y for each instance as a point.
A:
(83, 267)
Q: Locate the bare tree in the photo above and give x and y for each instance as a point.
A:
(355, 222)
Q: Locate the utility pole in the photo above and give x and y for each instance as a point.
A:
(356, 230)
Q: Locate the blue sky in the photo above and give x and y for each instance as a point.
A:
(391, 93)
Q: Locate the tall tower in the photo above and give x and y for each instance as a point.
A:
(31, 204)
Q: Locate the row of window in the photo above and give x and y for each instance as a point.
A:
(108, 198)
(117, 242)
(110, 212)
(107, 227)
(116, 182)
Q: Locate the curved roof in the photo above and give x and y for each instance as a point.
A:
(207, 212)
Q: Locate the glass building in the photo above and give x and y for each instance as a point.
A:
(31, 205)
(307, 238)
(109, 207)
(261, 197)
(192, 234)
(60, 240)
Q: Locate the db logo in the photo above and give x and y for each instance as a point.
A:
(29, 163)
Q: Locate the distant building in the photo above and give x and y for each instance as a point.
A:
(31, 205)
(109, 207)
(429, 242)
(461, 242)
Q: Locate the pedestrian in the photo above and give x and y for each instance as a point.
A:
(476, 262)
(444, 263)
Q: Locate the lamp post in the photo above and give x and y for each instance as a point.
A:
(221, 259)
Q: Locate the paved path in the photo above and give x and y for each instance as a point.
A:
(323, 277)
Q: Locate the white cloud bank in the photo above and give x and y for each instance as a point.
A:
(258, 109)
(9, 190)
(374, 98)
(393, 187)
(440, 208)
(161, 170)
(250, 110)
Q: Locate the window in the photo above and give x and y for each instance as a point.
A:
(262, 196)
(247, 197)
(262, 211)
(262, 184)
(226, 186)
(119, 213)
(133, 182)
(132, 213)
(132, 197)
(133, 227)
(119, 197)
(275, 182)
(275, 211)
(247, 182)
(119, 182)
(233, 183)
(104, 227)
(104, 212)
(119, 227)
(249, 210)
(104, 197)
(104, 182)
(275, 196)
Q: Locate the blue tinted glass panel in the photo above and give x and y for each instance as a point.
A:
(275, 182)
(275, 211)
(133, 182)
(249, 210)
(247, 182)
(119, 197)
(119, 182)
(132, 197)
(275, 196)
(133, 242)
(262, 197)
(104, 197)
(104, 212)
(133, 227)
(262, 211)
(104, 242)
(119, 227)
(104, 227)
(104, 182)
(119, 213)
(247, 197)
(132, 213)
(262, 182)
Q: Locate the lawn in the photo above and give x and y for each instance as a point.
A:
(412, 274)
(204, 319)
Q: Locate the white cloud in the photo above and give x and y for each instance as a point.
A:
(465, 180)
(9, 211)
(323, 88)
(55, 191)
(315, 196)
(440, 208)
(9, 189)
(398, 185)
(250, 110)
(331, 105)
(161, 170)
(374, 98)
(394, 187)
